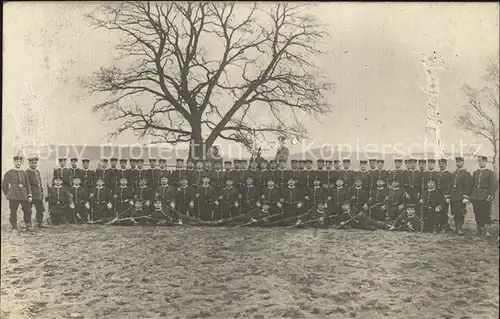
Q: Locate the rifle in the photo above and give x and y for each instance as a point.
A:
(293, 217)
(49, 192)
(349, 220)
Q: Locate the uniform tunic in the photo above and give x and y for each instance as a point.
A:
(58, 198)
(64, 174)
(461, 187)
(359, 197)
(124, 196)
(206, 196)
(35, 181)
(431, 200)
(292, 197)
(379, 196)
(228, 198)
(17, 188)
(482, 194)
(101, 197)
(80, 196)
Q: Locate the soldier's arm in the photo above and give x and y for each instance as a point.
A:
(469, 184)
(492, 184)
(6, 183)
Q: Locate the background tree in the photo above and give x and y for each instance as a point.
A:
(480, 114)
(208, 70)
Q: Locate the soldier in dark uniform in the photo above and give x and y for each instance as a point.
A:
(359, 196)
(397, 200)
(346, 173)
(250, 196)
(163, 168)
(80, 207)
(178, 173)
(185, 197)
(112, 174)
(87, 175)
(154, 174)
(337, 195)
(143, 173)
(380, 196)
(121, 172)
(74, 171)
(198, 174)
(63, 172)
(364, 175)
(281, 174)
(144, 194)
(254, 173)
(483, 193)
(272, 196)
(208, 167)
(293, 200)
(321, 172)
(424, 175)
(35, 181)
(396, 174)
(305, 178)
(229, 201)
(373, 163)
(264, 174)
(273, 168)
(379, 173)
(301, 165)
(59, 200)
(17, 188)
(132, 173)
(431, 203)
(431, 166)
(166, 193)
(205, 199)
(315, 194)
(407, 220)
(124, 198)
(217, 175)
(358, 218)
(411, 182)
(101, 199)
(443, 185)
(330, 174)
(103, 172)
(461, 189)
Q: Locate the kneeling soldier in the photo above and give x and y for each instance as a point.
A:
(59, 200)
(101, 198)
(166, 193)
(228, 200)
(292, 199)
(185, 198)
(396, 200)
(79, 211)
(249, 196)
(159, 216)
(271, 195)
(205, 197)
(337, 195)
(407, 220)
(379, 196)
(144, 194)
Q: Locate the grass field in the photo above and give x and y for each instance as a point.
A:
(93, 271)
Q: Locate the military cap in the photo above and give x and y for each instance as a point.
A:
(384, 181)
(123, 160)
(422, 161)
(18, 158)
(407, 160)
(162, 160)
(74, 159)
(282, 160)
(294, 161)
(85, 160)
(205, 177)
(228, 178)
(459, 159)
(291, 179)
(431, 161)
(398, 160)
(199, 160)
(249, 178)
(336, 161)
(483, 158)
(113, 159)
(321, 160)
(414, 160)
(316, 178)
(132, 160)
(228, 162)
(272, 161)
(443, 160)
(123, 178)
(179, 160)
(363, 162)
(345, 202)
(190, 160)
(99, 178)
(346, 160)
(380, 161)
(58, 178)
(60, 159)
(329, 162)
(373, 159)
(105, 160)
(152, 160)
(302, 161)
(410, 205)
(76, 177)
(242, 161)
(309, 161)
(33, 159)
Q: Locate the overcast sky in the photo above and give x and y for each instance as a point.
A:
(371, 58)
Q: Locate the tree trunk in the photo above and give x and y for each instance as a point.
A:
(197, 148)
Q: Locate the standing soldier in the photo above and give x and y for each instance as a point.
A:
(87, 175)
(35, 181)
(396, 200)
(411, 182)
(461, 188)
(396, 174)
(273, 172)
(191, 172)
(103, 172)
(142, 174)
(185, 197)
(132, 173)
(271, 196)
(205, 199)
(101, 200)
(124, 198)
(163, 168)
(347, 174)
(63, 172)
(379, 173)
(321, 172)
(483, 193)
(281, 174)
(178, 173)
(373, 163)
(217, 175)
(316, 194)
(74, 171)
(112, 178)
(294, 169)
(431, 202)
(59, 200)
(364, 175)
(17, 188)
(254, 173)
(443, 185)
(228, 201)
(282, 153)
(208, 168)
(264, 174)
(330, 179)
(121, 172)
(80, 197)
(144, 194)
(199, 172)
(337, 172)
(433, 174)
(154, 174)
(244, 173)
(337, 195)
(166, 193)
(424, 175)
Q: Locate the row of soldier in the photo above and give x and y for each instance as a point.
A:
(217, 190)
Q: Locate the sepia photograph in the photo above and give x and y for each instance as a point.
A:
(277, 159)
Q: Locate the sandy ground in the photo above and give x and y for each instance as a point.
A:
(94, 271)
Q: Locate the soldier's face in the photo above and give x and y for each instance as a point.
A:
(431, 184)
(301, 166)
(265, 208)
(73, 164)
(345, 207)
(33, 165)
(138, 205)
(162, 165)
(380, 165)
(321, 165)
(158, 205)
(236, 166)
(398, 165)
(205, 181)
(179, 164)
(282, 165)
(86, 165)
(362, 167)
(208, 166)
(229, 183)
(227, 166)
(270, 183)
(113, 164)
(410, 211)
(346, 165)
(62, 163)
(184, 182)
(249, 182)
(380, 183)
(294, 165)
(421, 166)
(104, 164)
(254, 165)
(336, 166)
(273, 165)
(432, 166)
(482, 163)
(316, 183)
(190, 165)
(395, 184)
(123, 182)
(142, 182)
(123, 165)
(358, 183)
(339, 183)
(199, 165)
(309, 165)
(140, 165)
(152, 164)
(217, 166)
(132, 164)
(100, 183)
(460, 164)
(164, 181)
(58, 182)
(373, 164)
(76, 182)
(291, 183)
(263, 165)
(329, 166)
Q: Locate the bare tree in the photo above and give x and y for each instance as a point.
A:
(213, 70)
(480, 114)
